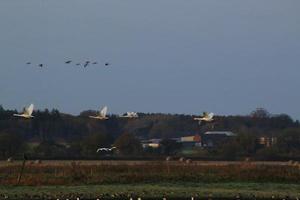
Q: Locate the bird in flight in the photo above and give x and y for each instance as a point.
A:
(41, 65)
(106, 149)
(28, 63)
(130, 115)
(207, 117)
(101, 115)
(68, 62)
(27, 114)
(107, 64)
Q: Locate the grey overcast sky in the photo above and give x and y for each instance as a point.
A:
(172, 56)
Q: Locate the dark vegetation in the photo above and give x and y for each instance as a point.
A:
(212, 191)
(74, 173)
(55, 135)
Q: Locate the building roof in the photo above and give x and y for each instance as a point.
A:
(193, 138)
(227, 133)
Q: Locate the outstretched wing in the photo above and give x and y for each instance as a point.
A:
(102, 149)
(29, 110)
(103, 111)
(111, 149)
(210, 115)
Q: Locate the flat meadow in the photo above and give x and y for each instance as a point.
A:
(151, 179)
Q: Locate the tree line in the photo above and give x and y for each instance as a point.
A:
(52, 134)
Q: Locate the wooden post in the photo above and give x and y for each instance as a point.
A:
(22, 170)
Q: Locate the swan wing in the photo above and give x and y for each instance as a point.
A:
(29, 110)
(103, 111)
(210, 115)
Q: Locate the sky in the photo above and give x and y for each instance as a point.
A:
(169, 56)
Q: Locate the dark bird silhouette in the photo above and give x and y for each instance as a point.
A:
(106, 64)
(68, 62)
(28, 63)
(41, 65)
(86, 64)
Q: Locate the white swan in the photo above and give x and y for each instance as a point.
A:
(130, 115)
(27, 112)
(106, 149)
(102, 114)
(207, 117)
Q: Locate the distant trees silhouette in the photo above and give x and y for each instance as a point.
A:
(169, 147)
(289, 141)
(10, 144)
(128, 145)
(59, 134)
(94, 141)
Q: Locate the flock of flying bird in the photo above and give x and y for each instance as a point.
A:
(84, 64)
(102, 115)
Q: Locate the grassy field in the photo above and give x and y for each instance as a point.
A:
(179, 190)
(150, 162)
(91, 173)
(149, 179)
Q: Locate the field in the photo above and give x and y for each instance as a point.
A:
(158, 191)
(150, 179)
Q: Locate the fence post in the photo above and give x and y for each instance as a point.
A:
(22, 169)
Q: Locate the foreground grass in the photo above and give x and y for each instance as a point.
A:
(159, 190)
(77, 173)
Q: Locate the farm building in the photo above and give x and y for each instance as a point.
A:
(214, 138)
(154, 143)
(208, 139)
(191, 141)
(187, 141)
(267, 141)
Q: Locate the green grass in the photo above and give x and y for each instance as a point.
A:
(178, 190)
